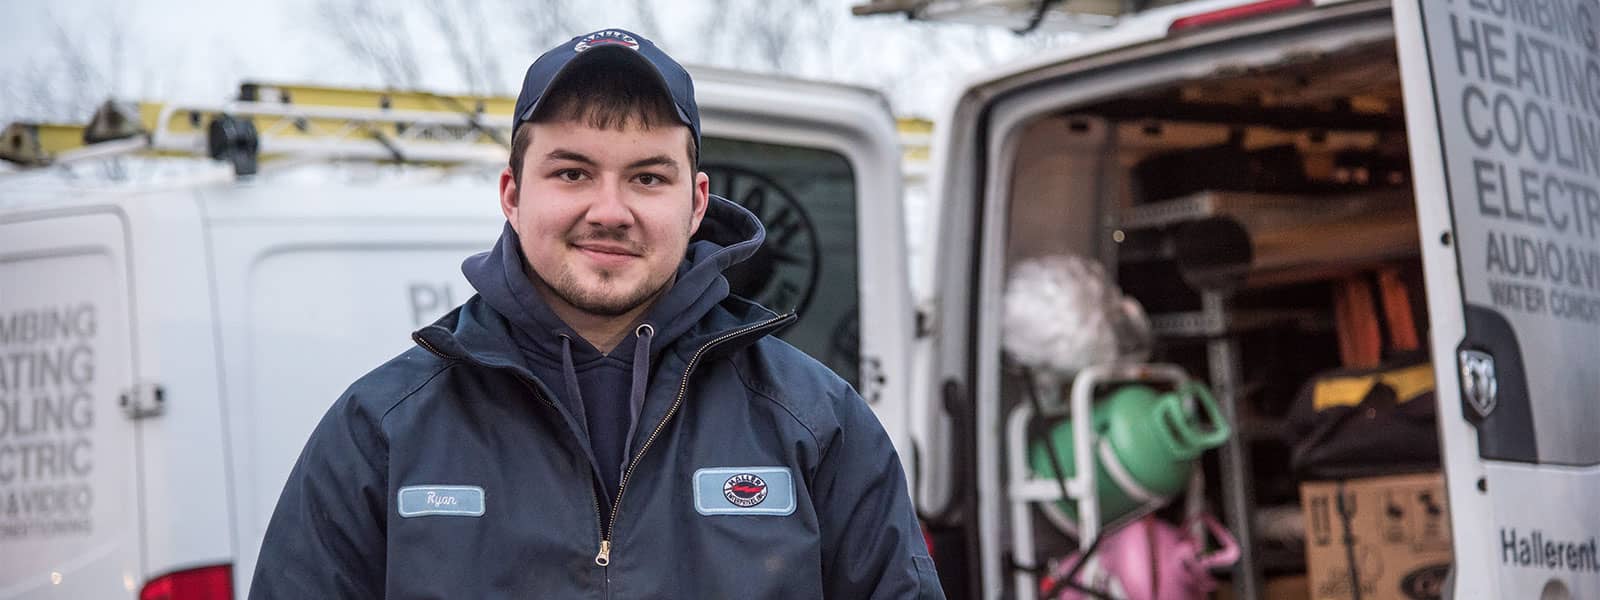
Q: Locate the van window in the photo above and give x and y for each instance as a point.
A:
(806, 198)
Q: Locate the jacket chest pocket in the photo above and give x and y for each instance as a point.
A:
(754, 506)
(510, 541)
(440, 500)
(745, 491)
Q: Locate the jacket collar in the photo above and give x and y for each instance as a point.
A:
(475, 333)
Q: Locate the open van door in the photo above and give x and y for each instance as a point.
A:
(1456, 138)
(820, 165)
(69, 479)
(1503, 109)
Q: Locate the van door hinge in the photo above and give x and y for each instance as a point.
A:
(144, 400)
(923, 319)
(872, 379)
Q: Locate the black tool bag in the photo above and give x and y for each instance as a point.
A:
(1363, 423)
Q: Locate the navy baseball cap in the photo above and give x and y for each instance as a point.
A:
(609, 48)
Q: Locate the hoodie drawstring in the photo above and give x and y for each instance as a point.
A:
(569, 373)
(641, 373)
(636, 392)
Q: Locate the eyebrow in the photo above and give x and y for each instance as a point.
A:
(558, 154)
(659, 160)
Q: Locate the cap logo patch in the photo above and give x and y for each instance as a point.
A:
(606, 38)
(745, 490)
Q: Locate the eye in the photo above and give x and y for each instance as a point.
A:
(571, 175)
(650, 179)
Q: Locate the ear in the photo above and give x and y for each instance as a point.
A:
(508, 196)
(702, 199)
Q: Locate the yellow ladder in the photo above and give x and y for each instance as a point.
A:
(315, 122)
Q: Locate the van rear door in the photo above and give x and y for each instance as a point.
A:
(1503, 110)
(69, 500)
(819, 164)
(312, 292)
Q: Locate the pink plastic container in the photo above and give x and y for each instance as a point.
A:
(1150, 559)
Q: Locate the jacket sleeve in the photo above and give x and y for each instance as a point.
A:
(872, 542)
(326, 537)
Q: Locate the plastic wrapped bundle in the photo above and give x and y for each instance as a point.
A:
(1062, 314)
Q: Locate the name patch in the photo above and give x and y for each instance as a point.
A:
(449, 500)
(744, 491)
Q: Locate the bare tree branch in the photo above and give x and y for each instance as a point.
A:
(487, 54)
(770, 36)
(446, 16)
(720, 22)
(117, 44)
(84, 82)
(73, 71)
(545, 22)
(649, 23)
(374, 33)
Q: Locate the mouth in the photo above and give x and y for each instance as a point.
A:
(606, 254)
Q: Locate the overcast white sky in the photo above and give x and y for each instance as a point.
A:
(59, 58)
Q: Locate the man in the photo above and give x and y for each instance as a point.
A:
(602, 420)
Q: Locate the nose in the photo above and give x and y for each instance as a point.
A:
(610, 207)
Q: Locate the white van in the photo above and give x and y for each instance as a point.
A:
(1463, 134)
(170, 332)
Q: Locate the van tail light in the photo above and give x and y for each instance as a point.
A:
(205, 583)
(1234, 13)
(927, 537)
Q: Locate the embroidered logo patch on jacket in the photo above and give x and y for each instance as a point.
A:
(449, 500)
(744, 491)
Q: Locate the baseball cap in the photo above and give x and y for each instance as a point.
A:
(609, 48)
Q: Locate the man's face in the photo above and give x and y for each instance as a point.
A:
(604, 216)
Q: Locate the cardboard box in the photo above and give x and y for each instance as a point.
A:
(1288, 587)
(1397, 529)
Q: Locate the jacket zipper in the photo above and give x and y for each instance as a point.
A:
(604, 557)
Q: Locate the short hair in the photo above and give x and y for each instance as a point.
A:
(610, 99)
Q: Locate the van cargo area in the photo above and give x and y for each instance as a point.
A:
(1262, 215)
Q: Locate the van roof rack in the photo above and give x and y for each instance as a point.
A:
(272, 121)
(286, 124)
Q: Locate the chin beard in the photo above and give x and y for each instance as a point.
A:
(567, 289)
